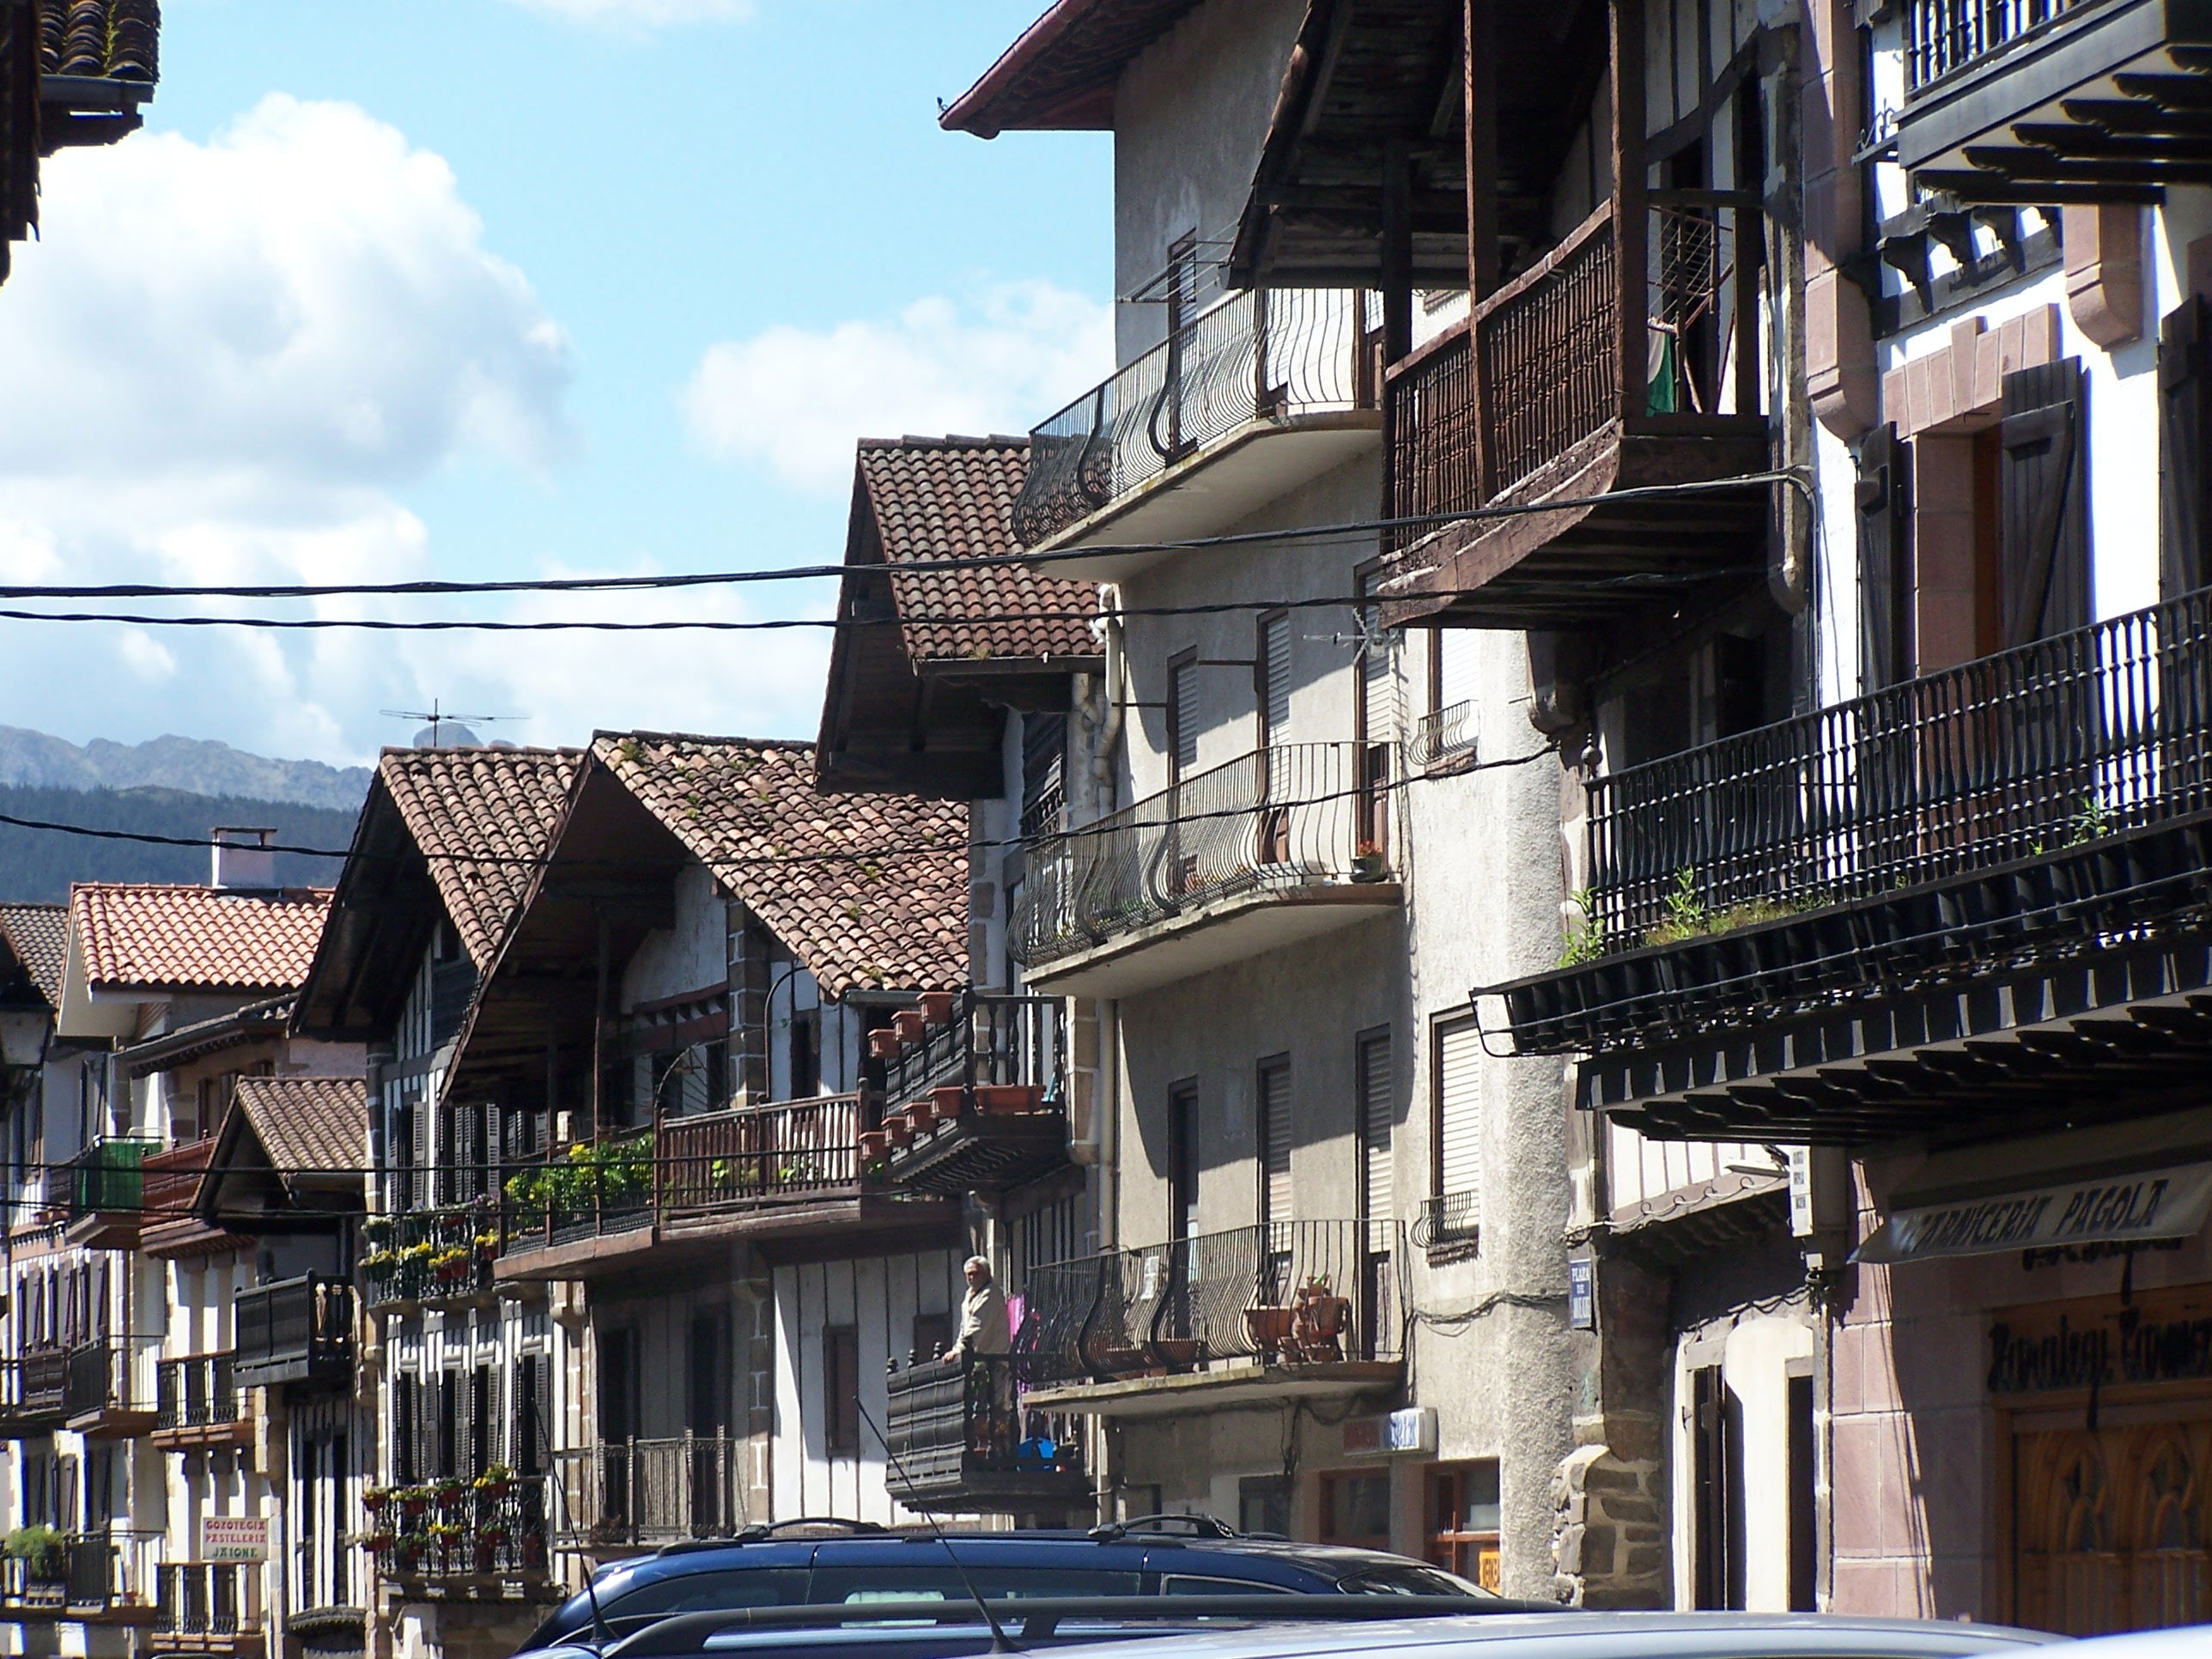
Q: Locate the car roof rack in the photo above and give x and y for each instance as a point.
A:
(1039, 1616)
(761, 1531)
(1182, 1526)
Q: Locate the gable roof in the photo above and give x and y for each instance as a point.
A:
(939, 499)
(72, 72)
(1061, 73)
(894, 915)
(308, 1125)
(38, 934)
(143, 936)
(502, 805)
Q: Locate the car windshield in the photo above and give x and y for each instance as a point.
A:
(1407, 1578)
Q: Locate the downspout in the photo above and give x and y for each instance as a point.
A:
(1116, 681)
(1789, 573)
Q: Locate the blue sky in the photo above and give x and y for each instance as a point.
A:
(492, 287)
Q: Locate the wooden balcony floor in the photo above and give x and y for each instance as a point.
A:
(1602, 562)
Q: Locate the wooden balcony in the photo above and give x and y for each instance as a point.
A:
(107, 1192)
(1578, 379)
(786, 1176)
(33, 1393)
(962, 1444)
(2057, 101)
(298, 1330)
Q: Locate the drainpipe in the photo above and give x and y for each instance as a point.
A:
(1116, 679)
(1790, 574)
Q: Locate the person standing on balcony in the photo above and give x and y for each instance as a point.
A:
(984, 1332)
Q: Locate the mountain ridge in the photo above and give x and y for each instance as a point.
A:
(195, 766)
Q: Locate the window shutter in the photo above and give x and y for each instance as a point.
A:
(1274, 1142)
(1459, 1108)
(1884, 506)
(1374, 1090)
(2183, 431)
(1274, 680)
(1182, 709)
(1455, 666)
(2043, 573)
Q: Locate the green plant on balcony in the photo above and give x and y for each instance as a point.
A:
(381, 1266)
(451, 1492)
(1585, 942)
(42, 1550)
(376, 1229)
(496, 1481)
(1687, 916)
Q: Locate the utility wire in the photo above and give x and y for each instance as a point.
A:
(1794, 478)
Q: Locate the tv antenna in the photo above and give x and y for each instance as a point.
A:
(436, 719)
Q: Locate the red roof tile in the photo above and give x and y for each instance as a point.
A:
(953, 498)
(309, 1125)
(144, 937)
(39, 936)
(502, 804)
(893, 916)
(1061, 73)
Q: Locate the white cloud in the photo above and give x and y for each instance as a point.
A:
(640, 15)
(796, 399)
(215, 365)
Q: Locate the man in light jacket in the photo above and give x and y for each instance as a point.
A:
(984, 1331)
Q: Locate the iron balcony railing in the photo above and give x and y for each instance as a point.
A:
(1443, 734)
(1007, 1041)
(1535, 369)
(423, 1255)
(1279, 818)
(208, 1599)
(470, 1531)
(200, 1392)
(2051, 745)
(647, 1493)
(1259, 354)
(294, 1329)
(1942, 36)
(950, 1420)
(114, 1375)
(113, 1570)
(1282, 1292)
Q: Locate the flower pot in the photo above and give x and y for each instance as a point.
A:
(945, 1104)
(875, 1142)
(884, 1044)
(907, 1022)
(1178, 1354)
(1009, 1098)
(1371, 866)
(1267, 1328)
(898, 1129)
(937, 1007)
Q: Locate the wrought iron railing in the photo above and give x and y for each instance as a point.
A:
(111, 1376)
(2034, 750)
(1002, 1040)
(950, 1418)
(1279, 819)
(422, 1255)
(461, 1530)
(1259, 354)
(1443, 734)
(199, 1393)
(305, 1322)
(1944, 35)
(208, 1598)
(1536, 369)
(1285, 1292)
(112, 1570)
(647, 1493)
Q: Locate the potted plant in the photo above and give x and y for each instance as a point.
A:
(452, 1493)
(407, 1553)
(376, 1499)
(42, 1550)
(496, 1481)
(413, 1500)
(908, 1023)
(1269, 1329)
(1318, 1319)
(380, 1542)
(937, 1007)
(450, 1265)
(376, 1229)
(1369, 862)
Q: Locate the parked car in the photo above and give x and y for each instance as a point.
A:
(1161, 1555)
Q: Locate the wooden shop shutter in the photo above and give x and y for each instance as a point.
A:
(2043, 571)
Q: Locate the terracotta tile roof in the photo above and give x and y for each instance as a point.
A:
(953, 498)
(894, 922)
(140, 936)
(39, 935)
(115, 39)
(309, 1125)
(504, 803)
(50, 65)
(1061, 73)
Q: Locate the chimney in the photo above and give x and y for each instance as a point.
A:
(244, 862)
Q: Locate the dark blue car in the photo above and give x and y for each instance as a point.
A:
(1167, 1556)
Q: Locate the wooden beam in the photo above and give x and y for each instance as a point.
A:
(1480, 58)
(1625, 22)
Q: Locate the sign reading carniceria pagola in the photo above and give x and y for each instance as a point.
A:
(2151, 1204)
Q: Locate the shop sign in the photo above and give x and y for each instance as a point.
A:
(234, 1538)
(2101, 1345)
(1412, 1430)
(2148, 1204)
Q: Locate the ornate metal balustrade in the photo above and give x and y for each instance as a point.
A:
(200, 1392)
(648, 1493)
(420, 1256)
(1259, 354)
(2048, 746)
(979, 1097)
(1289, 1293)
(1444, 734)
(460, 1533)
(208, 1598)
(1283, 817)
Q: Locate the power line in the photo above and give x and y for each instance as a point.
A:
(1356, 528)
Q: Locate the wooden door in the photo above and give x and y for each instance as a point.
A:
(2110, 1527)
